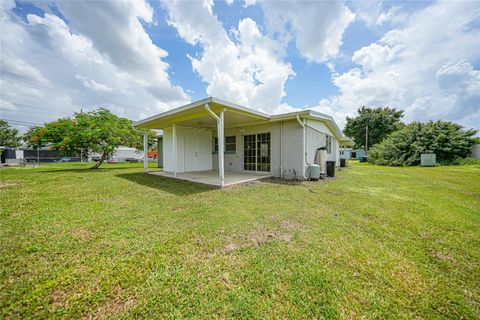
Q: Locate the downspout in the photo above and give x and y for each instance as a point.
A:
(281, 149)
(303, 146)
(221, 143)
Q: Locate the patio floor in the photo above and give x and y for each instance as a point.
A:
(211, 177)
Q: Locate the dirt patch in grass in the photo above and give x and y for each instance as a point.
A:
(117, 304)
(283, 231)
(5, 184)
(82, 234)
(114, 308)
(441, 256)
(58, 298)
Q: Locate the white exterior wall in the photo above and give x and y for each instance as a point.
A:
(292, 150)
(317, 140)
(289, 164)
(291, 161)
(183, 133)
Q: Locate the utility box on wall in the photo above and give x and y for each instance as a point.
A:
(428, 160)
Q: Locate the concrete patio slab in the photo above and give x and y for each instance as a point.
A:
(211, 177)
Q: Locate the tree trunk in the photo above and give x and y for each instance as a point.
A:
(99, 162)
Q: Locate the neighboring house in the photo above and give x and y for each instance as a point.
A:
(346, 153)
(358, 153)
(121, 154)
(280, 145)
(476, 151)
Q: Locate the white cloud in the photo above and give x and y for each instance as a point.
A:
(92, 84)
(248, 68)
(102, 57)
(420, 68)
(318, 26)
(375, 13)
(122, 38)
(248, 3)
(373, 56)
(14, 66)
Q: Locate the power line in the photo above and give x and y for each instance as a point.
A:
(23, 122)
(43, 112)
(30, 106)
(63, 113)
(34, 84)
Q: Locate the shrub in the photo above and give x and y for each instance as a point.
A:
(449, 141)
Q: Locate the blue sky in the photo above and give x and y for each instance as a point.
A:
(141, 58)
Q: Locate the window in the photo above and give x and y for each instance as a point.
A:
(230, 144)
(329, 144)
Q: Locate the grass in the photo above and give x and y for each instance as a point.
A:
(376, 242)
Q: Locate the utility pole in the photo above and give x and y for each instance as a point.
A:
(366, 140)
(38, 154)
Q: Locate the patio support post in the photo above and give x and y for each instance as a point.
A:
(221, 143)
(174, 136)
(145, 151)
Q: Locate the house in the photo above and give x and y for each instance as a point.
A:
(475, 151)
(121, 154)
(358, 153)
(222, 143)
(346, 153)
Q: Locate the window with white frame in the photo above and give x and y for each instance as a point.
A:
(329, 144)
(230, 144)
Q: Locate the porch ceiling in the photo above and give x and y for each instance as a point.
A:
(232, 119)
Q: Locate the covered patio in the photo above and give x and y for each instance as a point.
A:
(211, 177)
(188, 140)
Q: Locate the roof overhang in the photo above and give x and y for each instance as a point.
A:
(195, 114)
(311, 114)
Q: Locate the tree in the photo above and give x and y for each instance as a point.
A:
(98, 131)
(449, 141)
(32, 137)
(380, 121)
(8, 136)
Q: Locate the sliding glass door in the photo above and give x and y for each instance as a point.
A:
(257, 152)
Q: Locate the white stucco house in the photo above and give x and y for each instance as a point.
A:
(221, 143)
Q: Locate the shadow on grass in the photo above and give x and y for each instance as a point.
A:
(170, 185)
(81, 170)
(281, 181)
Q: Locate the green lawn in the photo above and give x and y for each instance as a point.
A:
(376, 242)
